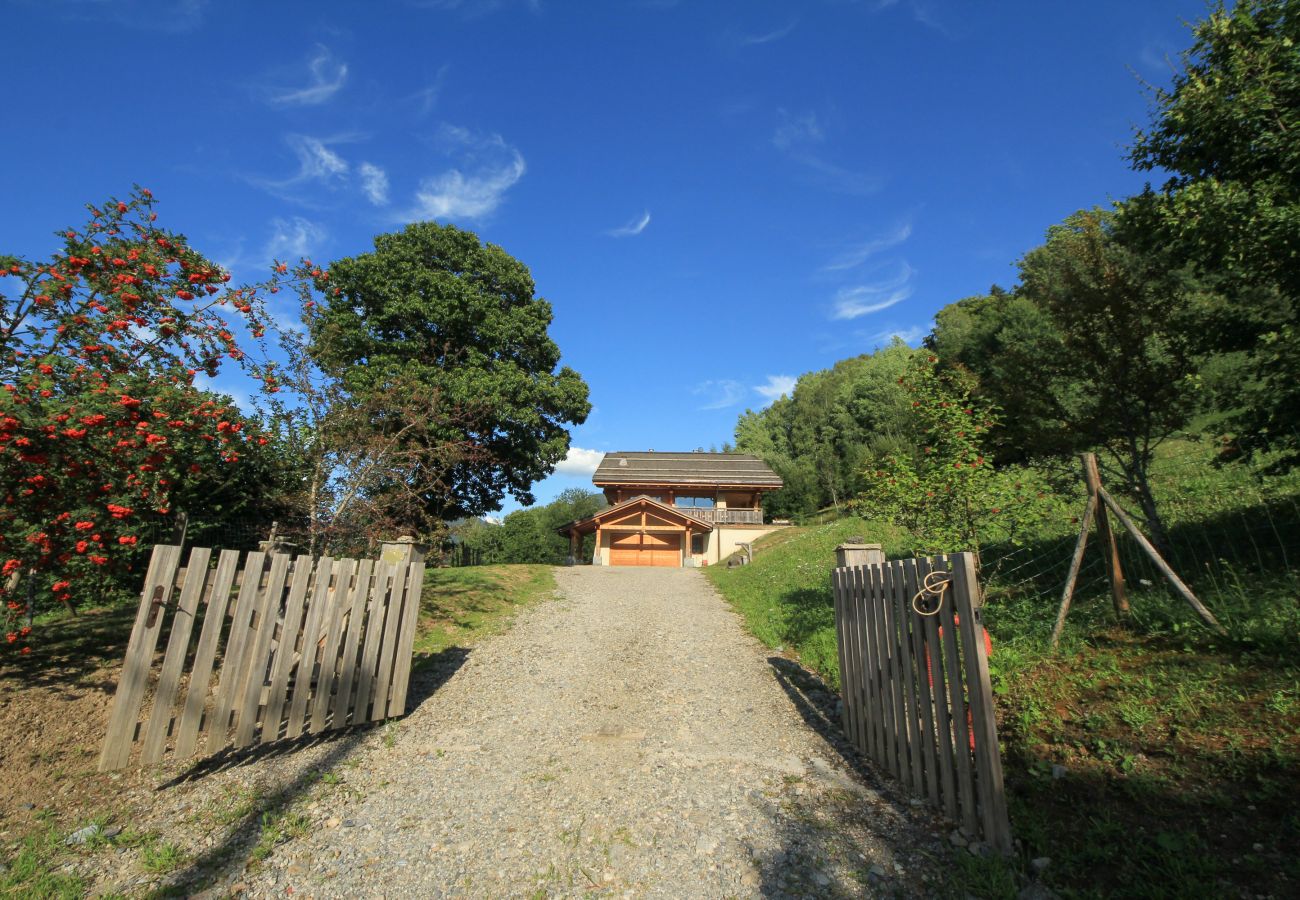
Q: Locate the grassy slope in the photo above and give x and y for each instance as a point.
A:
(785, 594)
(1182, 750)
(458, 606)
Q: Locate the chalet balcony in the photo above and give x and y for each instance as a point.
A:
(729, 516)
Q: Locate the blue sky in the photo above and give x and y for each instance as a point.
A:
(715, 197)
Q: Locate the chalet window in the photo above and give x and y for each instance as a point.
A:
(697, 543)
(694, 502)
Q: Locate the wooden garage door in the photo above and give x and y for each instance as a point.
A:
(649, 549)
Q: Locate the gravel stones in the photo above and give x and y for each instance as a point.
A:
(628, 738)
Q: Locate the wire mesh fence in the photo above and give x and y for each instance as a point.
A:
(1231, 532)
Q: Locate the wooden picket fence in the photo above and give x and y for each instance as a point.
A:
(305, 645)
(915, 681)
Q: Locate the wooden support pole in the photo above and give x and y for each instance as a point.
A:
(1068, 594)
(1206, 616)
(1110, 549)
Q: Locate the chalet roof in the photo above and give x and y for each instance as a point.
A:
(699, 468)
(588, 525)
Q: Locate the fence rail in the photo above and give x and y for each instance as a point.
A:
(305, 645)
(915, 681)
(716, 516)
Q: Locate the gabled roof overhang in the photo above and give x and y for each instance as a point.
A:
(614, 515)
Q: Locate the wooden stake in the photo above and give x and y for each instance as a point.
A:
(1206, 616)
(1114, 571)
(1068, 594)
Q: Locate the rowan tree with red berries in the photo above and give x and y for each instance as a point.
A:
(101, 425)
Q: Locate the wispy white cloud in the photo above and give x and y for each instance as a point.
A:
(777, 386)
(794, 131)
(856, 256)
(316, 161)
(292, 239)
(797, 135)
(751, 40)
(426, 98)
(374, 183)
(634, 227)
(486, 168)
(922, 11)
(151, 15)
(317, 164)
(326, 77)
(580, 461)
(863, 299)
(719, 394)
(456, 195)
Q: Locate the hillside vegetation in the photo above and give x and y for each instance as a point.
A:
(1181, 749)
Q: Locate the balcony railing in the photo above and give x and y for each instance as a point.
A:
(716, 516)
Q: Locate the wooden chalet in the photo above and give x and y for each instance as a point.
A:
(675, 509)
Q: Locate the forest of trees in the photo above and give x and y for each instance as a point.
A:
(1171, 311)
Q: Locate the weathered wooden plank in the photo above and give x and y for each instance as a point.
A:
(850, 687)
(384, 574)
(178, 646)
(907, 662)
(878, 699)
(933, 656)
(992, 793)
(305, 569)
(925, 722)
(258, 654)
(352, 643)
(854, 686)
(406, 642)
(340, 602)
(139, 657)
(232, 659)
(898, 712)
(841, 632)
(306, 663)
(961, 755)
(864, 736)
(388, 646)
(214, 619)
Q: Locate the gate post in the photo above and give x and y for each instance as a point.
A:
(402, 551)
(854, 552)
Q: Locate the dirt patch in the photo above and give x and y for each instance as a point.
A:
(53, 710)
(1187, 758)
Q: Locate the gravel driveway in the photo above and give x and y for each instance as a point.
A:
(626, 739)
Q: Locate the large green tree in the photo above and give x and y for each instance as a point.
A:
(1228, 133)
(1093, 350)
(1004, 338)
(436, 312)
(820, 438)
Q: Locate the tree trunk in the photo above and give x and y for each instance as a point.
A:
(1137, 469)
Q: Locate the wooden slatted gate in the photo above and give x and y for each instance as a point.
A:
(915, 682)
(305, 645)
